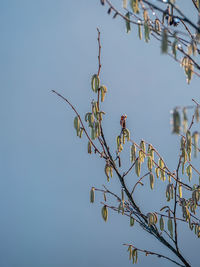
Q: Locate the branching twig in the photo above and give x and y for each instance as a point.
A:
(147, 252)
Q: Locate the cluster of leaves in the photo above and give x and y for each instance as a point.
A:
(165, 22)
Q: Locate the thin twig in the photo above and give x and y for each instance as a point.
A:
(147, 252)
(65, 99)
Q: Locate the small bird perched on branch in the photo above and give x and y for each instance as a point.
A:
(123, 121)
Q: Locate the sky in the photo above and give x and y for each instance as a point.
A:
(46, 174)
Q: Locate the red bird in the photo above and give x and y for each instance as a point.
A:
(123, 121)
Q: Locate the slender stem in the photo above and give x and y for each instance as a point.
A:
(147, 252)
(65, 99)
(175, 203)
(139, 182)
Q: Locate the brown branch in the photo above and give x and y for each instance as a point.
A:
(195, 4)
(138, 182)
(198, 105)
(147, 252)
(65, 99)
(99, 60)
(130, 168)
(175, 203)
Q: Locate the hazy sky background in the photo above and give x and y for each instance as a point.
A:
(46, 174)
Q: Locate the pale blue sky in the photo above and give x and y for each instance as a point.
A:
(46, 174)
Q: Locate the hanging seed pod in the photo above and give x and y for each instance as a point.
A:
(174, 47)
(157, 25)
(97, 129)
(92, 195)
(146, 32)
(103, 91)
(186, 213)
(111, 172)
(123, 138)
(170, 227)
(89, 148)
(149, 164)
(120, 148)
(180, 190)
(169, 178)
(197, 116)
(162, 224)
(138, 167)
(196, 139)
(101, 113)
(86, 116)
(122, 193)
(155, 217)
(119, 207)
(133, 153)
(128, 24)
(139, 31)
(195, 196)
(95, 82)
(185, 120)
(189, 71)
(141, 156)
(125, 4)
(104, 213)
(184, 155)
(151, 153)
(195, 229)
(161, 163)
(194, 48)
(126, 134)
(151, 179)
(183, 166)
(189, 49)
(119, 141)
(102, 2)
(89, 117)
(169, 192)
(93, 133)
(135, 255)
(162, 175)
(164, 43)
(157, 170)
(142, 146)
(130, 252)
(80, 132)
(151, 218)
(182, 142)
(104, 196)
(191, 225)
(145, 15)
(135, 6)
(189, 144)
(188, 66)
(122, 208)
(132, 221)
(162, 172)
(189, 172)
(176, 121)
(107, 171)
(94, 108)
(77, 125)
